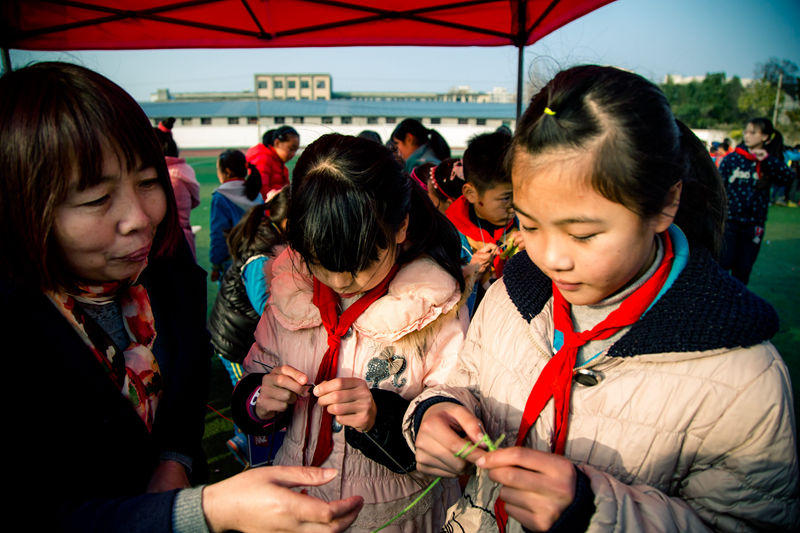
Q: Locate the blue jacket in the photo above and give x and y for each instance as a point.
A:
(228, 205)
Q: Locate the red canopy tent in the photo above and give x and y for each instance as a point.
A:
(148, 24)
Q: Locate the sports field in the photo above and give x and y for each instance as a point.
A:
(776, 278)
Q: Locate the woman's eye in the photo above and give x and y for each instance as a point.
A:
(97, 202)
(583, 237)
(149, 183)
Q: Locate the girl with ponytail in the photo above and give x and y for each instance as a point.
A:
(366, 311)
(748, 173)
(239, 188)
(634, 379)
(418, 145)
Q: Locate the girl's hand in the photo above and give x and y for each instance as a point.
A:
(279, 389)
(261, 499)
(441, 435)
(349, 401)
(537, 486)
(483, 258)
(515, 239)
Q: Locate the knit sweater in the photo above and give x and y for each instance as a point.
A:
(748, 195)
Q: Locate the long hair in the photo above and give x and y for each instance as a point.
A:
(283, 134)
(423, 135)
(640, 150)
(259, 230)
(56, 122)
(349, 199)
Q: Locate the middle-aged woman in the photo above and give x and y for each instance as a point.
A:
(103, 327)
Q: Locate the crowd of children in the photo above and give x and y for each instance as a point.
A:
(540, 335)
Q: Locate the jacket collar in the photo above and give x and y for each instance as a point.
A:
(705, 309)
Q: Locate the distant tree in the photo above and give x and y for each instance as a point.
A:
(772, 70)
(757, 99)
(708, 103)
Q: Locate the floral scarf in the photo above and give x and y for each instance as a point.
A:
(133, 368)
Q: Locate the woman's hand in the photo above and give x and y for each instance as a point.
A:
(168, 475)
(536, 486)
(260, 499)
(349, 401)
(280, 389)
(440, 437)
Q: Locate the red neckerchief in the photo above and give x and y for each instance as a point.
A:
(327, 301)
(556, 378)
(458, 213)
(750, 157)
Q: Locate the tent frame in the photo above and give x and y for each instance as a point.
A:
(366, 14)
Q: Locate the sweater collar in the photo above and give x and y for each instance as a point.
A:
(704, 309)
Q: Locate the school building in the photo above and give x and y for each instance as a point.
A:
(236, 123)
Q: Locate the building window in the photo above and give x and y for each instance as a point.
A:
(320, 98)
(436, 120)
(205, 121)
(463, 121)
(186, 121)
(320, 84)
(280, 120)
(347, 120)
(298, 120)
(327, 120)
(304, 84)
(391, 120)
(252, 120)
(278, 84)
(372, 120)
(290, 84)
(480, 121)
(233, 120)
(262, 85)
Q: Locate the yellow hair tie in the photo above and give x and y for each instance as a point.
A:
(548, 111)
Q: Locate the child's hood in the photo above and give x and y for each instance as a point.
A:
(421, 292)
(234, 191)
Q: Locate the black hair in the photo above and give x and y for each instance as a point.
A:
(484, 160)
(259, 230)
(371, 135)
(168, 144)
(447, 184)
(235, 161)
(278, 134)
(774, 144)
(349, 199)
(168, 123)
(640, 149)
(57, 120)
(423, 135)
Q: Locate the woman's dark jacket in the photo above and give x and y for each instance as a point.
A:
(78, 450)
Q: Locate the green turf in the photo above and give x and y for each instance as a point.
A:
(776, 278)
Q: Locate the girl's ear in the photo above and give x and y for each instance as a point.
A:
(470, 193)
(400, 236)
(670, 209)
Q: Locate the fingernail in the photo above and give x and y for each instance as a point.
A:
(479, 462)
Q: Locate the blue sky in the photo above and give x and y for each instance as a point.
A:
(651, 37)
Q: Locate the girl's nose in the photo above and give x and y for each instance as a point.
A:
(556, 256)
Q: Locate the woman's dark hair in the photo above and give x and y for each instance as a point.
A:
(349, 199)
(236, 163)
(423, 135)
(259, 230)
(168, 145)
(57, 120)
(447, 179)
(773, 145)
(640, 149)
(279, 134)
(371, 135)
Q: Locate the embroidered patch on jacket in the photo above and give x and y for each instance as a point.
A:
(386, 365)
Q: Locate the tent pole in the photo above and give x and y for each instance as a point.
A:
(520, 63)
(6, 60)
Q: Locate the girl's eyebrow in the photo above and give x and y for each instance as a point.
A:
(563, 221)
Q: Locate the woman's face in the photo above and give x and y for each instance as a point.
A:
(288, 148)
(105, 231)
